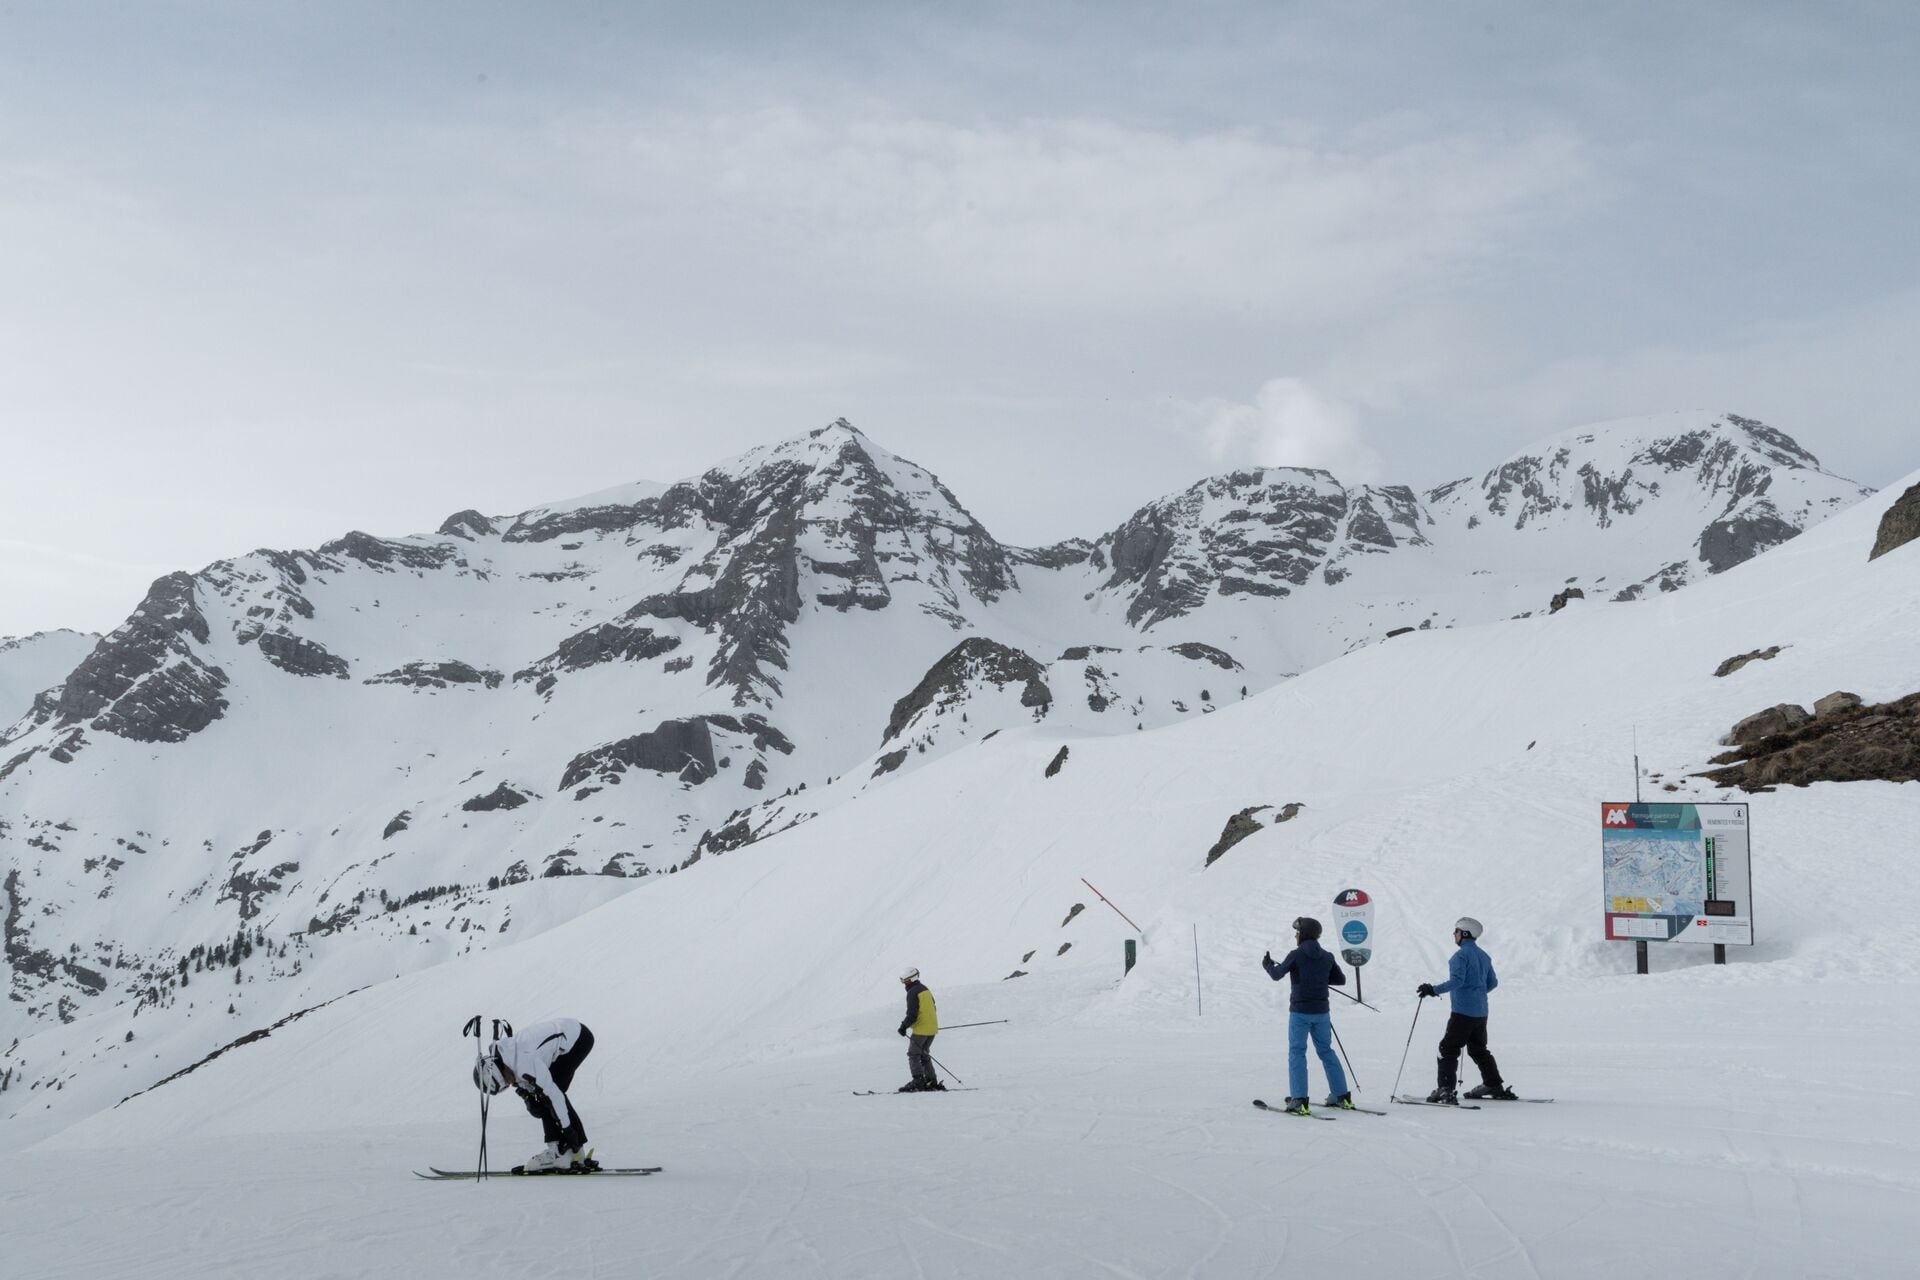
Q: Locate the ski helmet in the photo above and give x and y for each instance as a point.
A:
(487, 1075)
(1467, 925)
(911, 975)
(1307, 927)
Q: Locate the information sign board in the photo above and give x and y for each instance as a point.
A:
(1677, 872)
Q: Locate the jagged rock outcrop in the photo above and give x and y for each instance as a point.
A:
(975, 660)
(1738, 661)
(504, 796)
(437, 675)
(1899, 525)
(1238, 828)
(299, 656)
(466, 524)
(683, 748)
(147, 681)
(619, 641)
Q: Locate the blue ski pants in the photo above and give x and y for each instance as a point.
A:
(1320, 1027)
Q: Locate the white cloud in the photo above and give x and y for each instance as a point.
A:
(1290, 424)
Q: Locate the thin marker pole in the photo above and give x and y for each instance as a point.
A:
(1117, 911)
(1197, 1009)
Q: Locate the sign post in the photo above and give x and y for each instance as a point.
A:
(1353, 924)
(1676, 873)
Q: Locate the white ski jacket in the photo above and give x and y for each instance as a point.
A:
(529, 1054)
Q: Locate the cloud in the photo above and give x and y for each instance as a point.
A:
(1085, 212)
(1290, 424)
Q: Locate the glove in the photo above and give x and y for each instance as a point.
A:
(903, 1031)
(1267, 959)
(1424, 989)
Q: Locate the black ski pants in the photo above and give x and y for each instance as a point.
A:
(1469, 1033)
(571, 1136)
(920, 1059)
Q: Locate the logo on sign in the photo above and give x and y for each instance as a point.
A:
(1353, 932)
(1616, 816)
(1351, 898)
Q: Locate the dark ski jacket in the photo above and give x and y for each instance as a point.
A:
(1314, 969)
(922, 1018)
(1470, 976)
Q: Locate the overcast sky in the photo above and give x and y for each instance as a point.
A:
(271, 272)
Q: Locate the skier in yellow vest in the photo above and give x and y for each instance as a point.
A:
(922, 1023)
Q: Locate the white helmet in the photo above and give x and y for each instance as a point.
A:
(1467, 925)
(487, 1074)
(911, 975)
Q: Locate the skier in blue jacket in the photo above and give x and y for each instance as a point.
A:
(1470, 977)
(1312, 968)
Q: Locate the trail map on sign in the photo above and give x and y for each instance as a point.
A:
(1676, 872)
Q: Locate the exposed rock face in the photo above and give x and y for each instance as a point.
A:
(1261, 533)
(147, 681)
(1560, 600)
(503, 796)
(437, 675)
(398, 824)
(1238, 828)
(607, 642)
(380, 554)
(1783, 718)
(1738, 539)
(680, 747)
(466, 524)
(1849, 744)
(1733, 664)
(299, 656)
(1054, 765)
(1900, 525)
(1205, 653)
(974, 660)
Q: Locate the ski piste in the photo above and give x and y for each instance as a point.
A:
(1281, 1111)
(885, 1093)
(520, 1171)
(1450, 1106)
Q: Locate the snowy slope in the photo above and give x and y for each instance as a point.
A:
(1448, 772)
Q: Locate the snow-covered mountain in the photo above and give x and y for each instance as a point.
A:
(313, 769)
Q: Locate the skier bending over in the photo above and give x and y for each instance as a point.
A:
(1470, 976)
(1312, 968)
(923, 1023)
(539, 1063)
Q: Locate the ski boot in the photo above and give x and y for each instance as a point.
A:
(911, 1086)
(550, 1159)
(1445, 1097)
(1343, 1101)
(1498, 1092)
(1296, 1107)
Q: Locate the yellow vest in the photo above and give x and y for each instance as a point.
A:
(927, 1021)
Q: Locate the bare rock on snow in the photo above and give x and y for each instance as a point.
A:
(1900, 525)
(1733, 664)
(1849, 744)
(1238, 828)
(1783, 718)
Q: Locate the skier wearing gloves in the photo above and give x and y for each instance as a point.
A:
(1313, 969)
(539, 1063)
(921, 1024)
(1470, 977)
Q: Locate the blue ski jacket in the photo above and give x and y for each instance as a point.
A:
(1313, 968)
(1470, 976)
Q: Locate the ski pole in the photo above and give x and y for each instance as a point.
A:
(1403, 1052)
(956, 1026)
(943, 1066)
(1356, 999)
(473, 1029)
(1353, 1081)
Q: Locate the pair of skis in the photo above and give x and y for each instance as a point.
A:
(1328, 1114)
(1462, 1106)
(887, 1093)
(521, 1171)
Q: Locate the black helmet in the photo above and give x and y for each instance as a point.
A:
(1307, 927)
